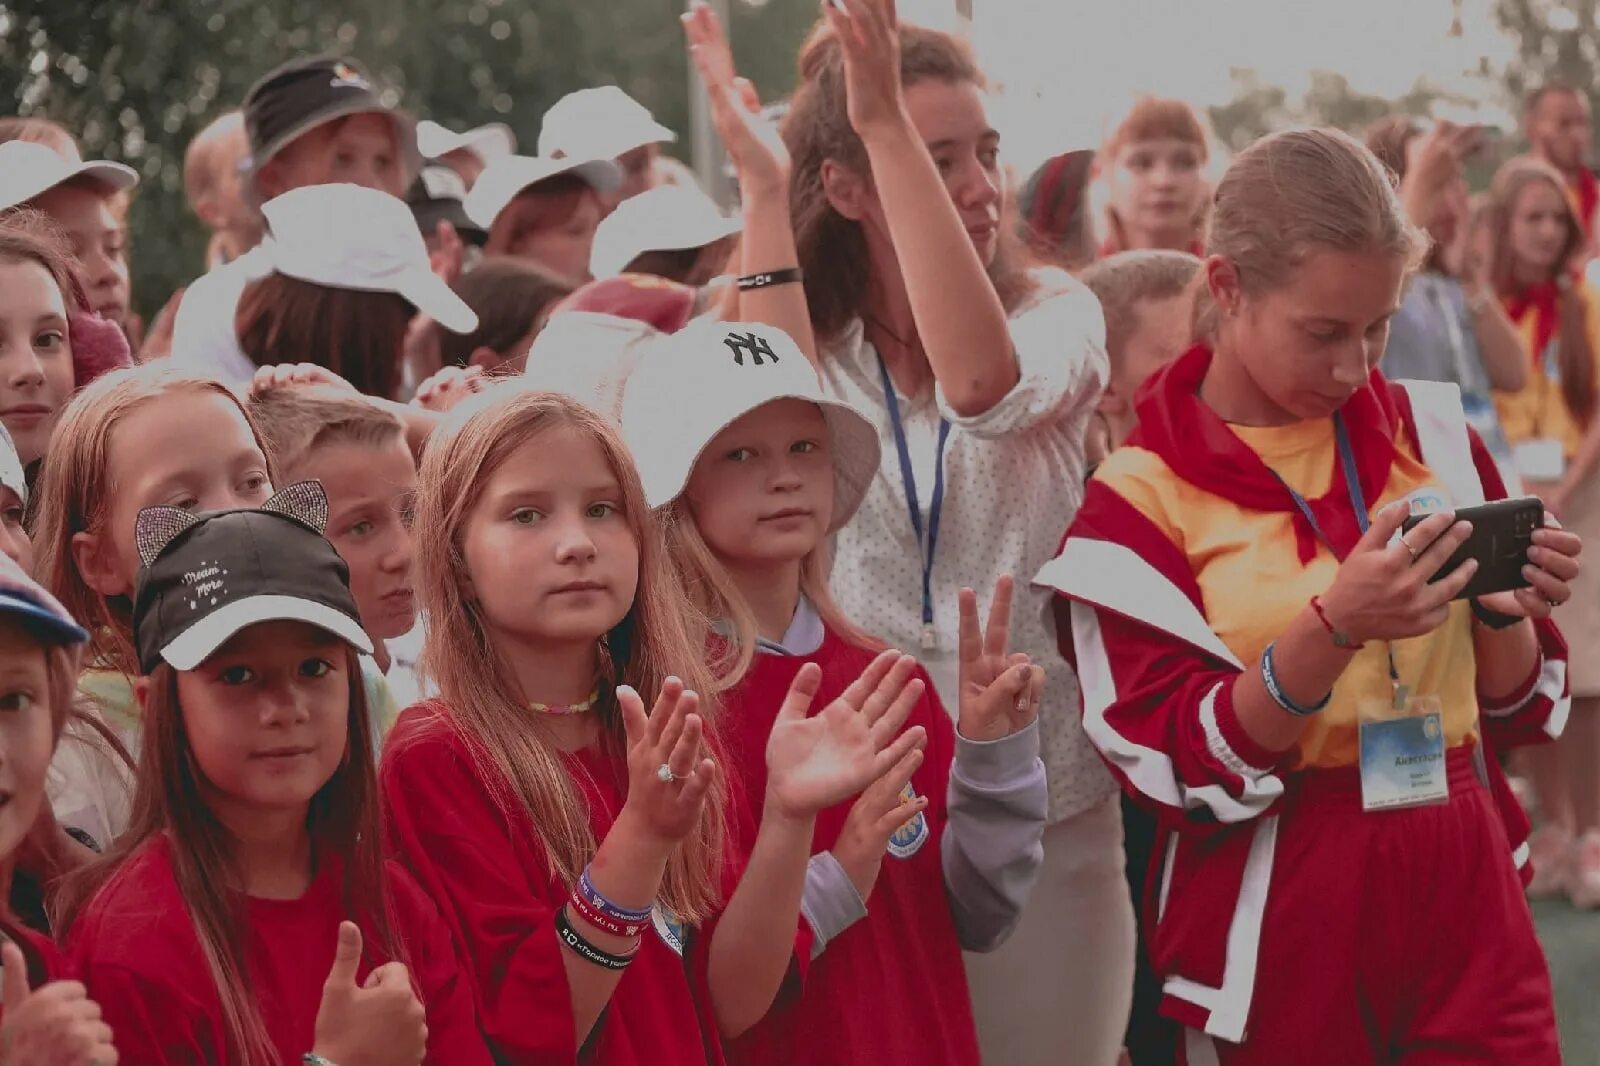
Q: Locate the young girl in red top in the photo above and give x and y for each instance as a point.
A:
(933, 857)
(576, 845)
(248, 915)
(1267, 662)
(1155, 188)
(43, 1020)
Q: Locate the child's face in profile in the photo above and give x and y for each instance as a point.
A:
(26, 735)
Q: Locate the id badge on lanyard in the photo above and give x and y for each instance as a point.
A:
(1402, 737)
(927, 533)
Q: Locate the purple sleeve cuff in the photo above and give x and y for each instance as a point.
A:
(829, 903)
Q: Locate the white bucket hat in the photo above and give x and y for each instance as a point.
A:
(352, 237)
(709, 375)
(507, 176)
(28, 169)
(600, 123)
(488, 143)
(665, 218)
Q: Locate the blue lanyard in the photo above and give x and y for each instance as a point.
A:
(908, 479)
(1358, 503)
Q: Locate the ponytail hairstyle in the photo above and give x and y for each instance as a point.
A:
(170, 800)
(661, 636)
(97, 346)
(1292, 194)
(74, 496)
(816, 128)
(1573, 346)
(716, 595)
(1152, 118)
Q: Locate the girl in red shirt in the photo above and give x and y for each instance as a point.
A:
(54, 1023)
(1155, 188)
(939, 854)
(576, 845)
(248, 915)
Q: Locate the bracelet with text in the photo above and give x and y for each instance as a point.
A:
(1269, 675)
(591, 896)
(769, 278)
(601, 920)
(587, 951)
(1341, 639)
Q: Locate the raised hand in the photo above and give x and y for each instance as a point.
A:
(56, 1025)
(882, 808)
(999, 690)
(758, 153)
(1381, 591)
(869, 33)
(378, 1023)
(667, 776)
(448, 387)
(815, 762)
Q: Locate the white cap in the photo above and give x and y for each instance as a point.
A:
(488, 143)
(28, 169)
(11, 472)
(709, 375)
(352, 237)
(598, 123)
(507, 176)
(660, 219)
(589, 356)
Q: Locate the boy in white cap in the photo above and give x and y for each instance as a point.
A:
(78, 197)
(669, 231)
(606, 123)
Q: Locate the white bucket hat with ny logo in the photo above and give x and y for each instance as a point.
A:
(691, 388)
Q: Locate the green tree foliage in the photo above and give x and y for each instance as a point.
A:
(136, 79)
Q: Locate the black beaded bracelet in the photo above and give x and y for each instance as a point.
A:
(770, 278)
(587, 951)
(1493, 619)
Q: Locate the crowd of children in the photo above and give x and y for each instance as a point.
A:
(507, 610)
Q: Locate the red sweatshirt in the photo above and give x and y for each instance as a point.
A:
(891, 988)
(136, 950)
(499, 897)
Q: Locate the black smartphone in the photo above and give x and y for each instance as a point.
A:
(1502, 533)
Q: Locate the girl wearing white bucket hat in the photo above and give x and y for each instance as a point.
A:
(751, 488)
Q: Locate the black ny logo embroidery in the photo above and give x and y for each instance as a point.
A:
(749, 342)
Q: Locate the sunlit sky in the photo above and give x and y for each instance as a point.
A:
(1069, 67)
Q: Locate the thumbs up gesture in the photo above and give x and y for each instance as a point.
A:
(380, 1022)
(56, 1025)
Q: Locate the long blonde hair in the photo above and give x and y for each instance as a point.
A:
(74, 496)
(662, 635)
(716, 595)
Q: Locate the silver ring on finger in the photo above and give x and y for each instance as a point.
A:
(665, 774)
(1410, 550)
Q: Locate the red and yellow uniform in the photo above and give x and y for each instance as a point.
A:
(1537, 410)
(1276, 907)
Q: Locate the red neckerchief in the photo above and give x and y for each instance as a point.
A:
(1544, 301)
(1587, 191)
(1199, 447)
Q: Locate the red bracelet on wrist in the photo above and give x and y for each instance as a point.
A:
(1341, 639)
(600, 920)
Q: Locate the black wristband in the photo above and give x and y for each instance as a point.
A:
(770, 278)
(587, 951)
(1493, 619)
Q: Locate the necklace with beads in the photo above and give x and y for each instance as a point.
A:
(571, 708)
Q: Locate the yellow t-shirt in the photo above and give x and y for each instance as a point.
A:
(1537, 411)
(1253, 583)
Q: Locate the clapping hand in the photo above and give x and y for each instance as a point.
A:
(999, 690)
(56, 1025)
(815, 762)
(869, 33)
(380, 1022)
(881, 810)
(757, 152)
(667, 775)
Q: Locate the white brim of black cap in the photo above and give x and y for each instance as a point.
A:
(200, 641)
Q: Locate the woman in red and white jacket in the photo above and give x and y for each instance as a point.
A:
(1265, 661)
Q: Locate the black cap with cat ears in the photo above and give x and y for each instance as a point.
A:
(208, 576)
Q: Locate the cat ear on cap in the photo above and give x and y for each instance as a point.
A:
(304, 501)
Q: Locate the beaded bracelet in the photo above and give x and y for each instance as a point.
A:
(601, 920)
(591, 895)
(1270, 676)
(587, 951)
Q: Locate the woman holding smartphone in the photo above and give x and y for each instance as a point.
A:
(1266, 661)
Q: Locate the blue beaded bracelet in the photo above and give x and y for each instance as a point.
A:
(1270, 676)
(593, 898)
